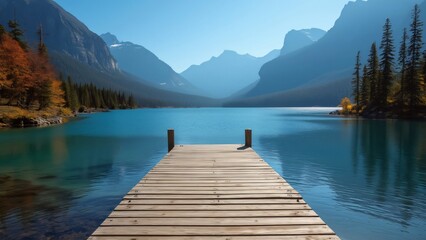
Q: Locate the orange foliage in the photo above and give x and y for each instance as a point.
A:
(27, 77)
(15, 74)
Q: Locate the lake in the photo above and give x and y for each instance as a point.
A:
(365, 178)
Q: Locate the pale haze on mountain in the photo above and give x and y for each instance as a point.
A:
(297, 39)
(228, 73)
(313, 68)
(320, 74)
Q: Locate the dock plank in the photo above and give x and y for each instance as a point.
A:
(213, 192)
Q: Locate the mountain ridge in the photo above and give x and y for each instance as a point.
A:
(77, 52)
(226, 74)
(297, 39)
(333, 53)
(64, 32)
(140, 62)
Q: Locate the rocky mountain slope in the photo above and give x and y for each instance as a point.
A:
(142, 63)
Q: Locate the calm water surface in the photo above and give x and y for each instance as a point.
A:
(365, 178)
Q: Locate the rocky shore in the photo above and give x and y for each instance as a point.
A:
(13, 117)
(419, 114)
(24, 122)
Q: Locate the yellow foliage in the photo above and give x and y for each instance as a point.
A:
(57, 94)
(346, 105)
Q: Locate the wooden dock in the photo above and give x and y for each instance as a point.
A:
(212, 192)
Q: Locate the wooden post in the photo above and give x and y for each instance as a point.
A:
(248, 138)
(171, 139)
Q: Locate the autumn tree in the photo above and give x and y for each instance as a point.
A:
(386, 65)
(15, 71)
(356, 81)
(346, 105)
(27, 78)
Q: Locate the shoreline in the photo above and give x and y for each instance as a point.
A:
(13, 117)
(380, 115)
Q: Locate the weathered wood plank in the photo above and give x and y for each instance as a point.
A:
(212, 192)
(215, 201)
(215, 181)
(145, 191)
(224, 214)
(215, 185)
(141, 187)
(213, 196)
(212, 231)
(213, 221)
(281, 237)
(127, 207)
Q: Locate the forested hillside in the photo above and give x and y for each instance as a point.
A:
(31, 92)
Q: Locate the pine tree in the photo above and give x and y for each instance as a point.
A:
(414, 78)
(2, 30)
(85, 96)
(44, 93)
(131, 103)
(17, 33)
(72, 96)
(373, 74)
(402, 60)
(67, 91)
(365, 91)
(42, 49)
(356, 82)
(386, 65)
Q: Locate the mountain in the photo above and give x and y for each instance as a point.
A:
(64, 33)
(109, 39)
(297, 39)
(145, 94)
(144, 64)
(330, 59)
(76, 51)
(228, 73)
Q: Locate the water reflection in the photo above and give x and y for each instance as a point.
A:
(373, 168)
(394, 155)
(366, 179)
(59, 186)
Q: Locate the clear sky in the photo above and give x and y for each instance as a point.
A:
(186, 32)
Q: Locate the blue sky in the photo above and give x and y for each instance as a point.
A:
(186, 32)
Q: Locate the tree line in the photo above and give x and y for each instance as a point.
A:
(387, 83)
(80, 96)
(28, 80)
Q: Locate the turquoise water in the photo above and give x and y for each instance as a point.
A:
(365, 178)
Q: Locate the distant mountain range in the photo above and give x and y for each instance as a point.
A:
(313, 68)
(228, 73)
(142, 63)
(232, 74)
(320, 74)
(298, 39)
(78, 52)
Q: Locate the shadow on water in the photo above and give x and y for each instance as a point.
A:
(370, 168)
(394, 156)
(57, 186)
